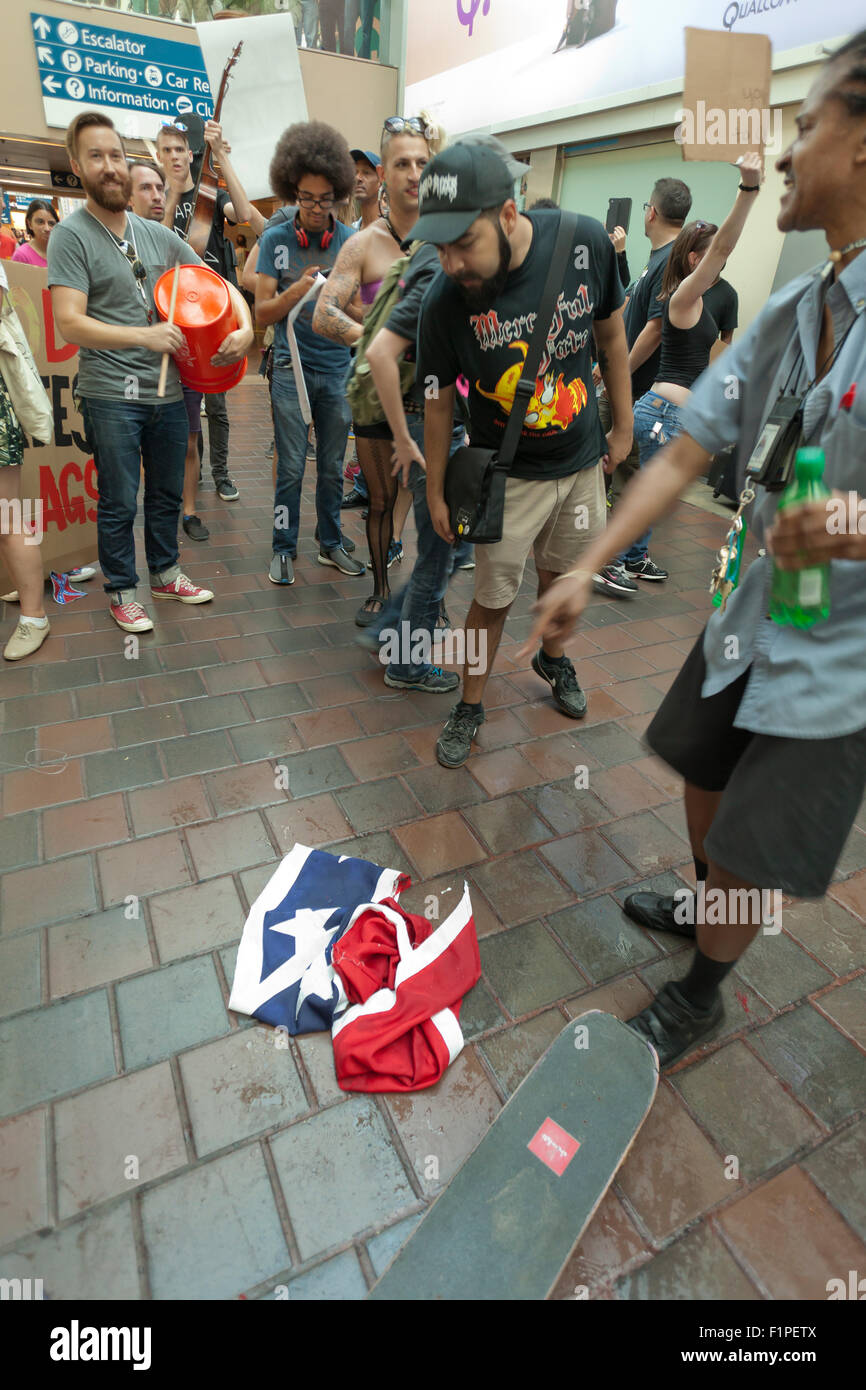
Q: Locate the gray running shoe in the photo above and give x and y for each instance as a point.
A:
(455, 741)
(435, 681)
(341, 560)
(281, 570)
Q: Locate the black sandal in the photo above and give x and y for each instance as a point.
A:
(673, 1026)
(365, 616)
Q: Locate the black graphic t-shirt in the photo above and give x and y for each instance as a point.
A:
(561, 432)
(218, 252)
(643, 305)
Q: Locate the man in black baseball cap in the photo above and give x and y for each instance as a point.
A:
(458, 185)
(476, 322)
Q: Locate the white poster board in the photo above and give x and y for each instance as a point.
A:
(474, 65)
(265, 91)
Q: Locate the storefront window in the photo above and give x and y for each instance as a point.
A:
(354, 27)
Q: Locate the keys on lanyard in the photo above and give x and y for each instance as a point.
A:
(727, 571)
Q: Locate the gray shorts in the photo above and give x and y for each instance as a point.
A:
(788, 804)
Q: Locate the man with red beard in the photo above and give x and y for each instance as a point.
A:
(102, 274)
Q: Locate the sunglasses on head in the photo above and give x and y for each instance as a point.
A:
(397, 125)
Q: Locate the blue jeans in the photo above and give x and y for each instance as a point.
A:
(651, 411)
(418, 604)
(308, 24)
(332, 419)
(124, 435)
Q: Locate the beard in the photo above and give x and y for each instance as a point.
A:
(111, 192)
(479, 296)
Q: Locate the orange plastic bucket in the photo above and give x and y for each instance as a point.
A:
(204, 314)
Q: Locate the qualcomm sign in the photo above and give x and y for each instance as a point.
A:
(141, 82)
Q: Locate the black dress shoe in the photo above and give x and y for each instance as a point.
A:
(657, 913)
(354, 499)
(674, 1026)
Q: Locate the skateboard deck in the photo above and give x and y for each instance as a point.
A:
(507, 1223)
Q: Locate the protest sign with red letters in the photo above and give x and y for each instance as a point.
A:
(61, 474)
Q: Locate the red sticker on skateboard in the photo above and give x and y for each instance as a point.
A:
(554, 1146)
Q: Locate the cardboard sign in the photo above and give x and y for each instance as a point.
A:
(62, 474)
(726, 101)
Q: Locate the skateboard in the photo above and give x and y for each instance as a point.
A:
(507, 1223)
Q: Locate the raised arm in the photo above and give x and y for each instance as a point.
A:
(332, 317)
(248, 278)
(239, 209)
(685, 305)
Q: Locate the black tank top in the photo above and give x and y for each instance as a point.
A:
(685, 352)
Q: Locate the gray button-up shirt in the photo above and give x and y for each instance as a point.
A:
(808, 683)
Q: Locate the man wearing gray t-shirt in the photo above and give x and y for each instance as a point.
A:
(102, 274)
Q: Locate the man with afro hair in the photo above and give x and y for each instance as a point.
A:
(312, 170)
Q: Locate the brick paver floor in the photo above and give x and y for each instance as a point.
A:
(155, 1145)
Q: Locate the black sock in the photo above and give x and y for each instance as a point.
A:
(701, 986)
(553, 660)
(700, 869)
(474, 709)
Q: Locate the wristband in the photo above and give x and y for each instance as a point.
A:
(743, 189)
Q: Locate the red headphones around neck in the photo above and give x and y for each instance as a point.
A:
(304, 240)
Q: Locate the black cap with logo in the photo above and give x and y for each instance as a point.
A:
(456, 187)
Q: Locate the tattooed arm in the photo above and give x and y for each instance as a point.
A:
(333, 316)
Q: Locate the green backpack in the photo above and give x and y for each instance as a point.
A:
(363, 397)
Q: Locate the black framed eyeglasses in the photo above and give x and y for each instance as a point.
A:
(306, 200)
(647, 205)
(398, 125)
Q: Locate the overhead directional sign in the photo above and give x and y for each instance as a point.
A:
(141, 82)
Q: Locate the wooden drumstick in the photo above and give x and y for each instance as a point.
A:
(163, 371)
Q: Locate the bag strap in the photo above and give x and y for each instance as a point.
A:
(526, 385)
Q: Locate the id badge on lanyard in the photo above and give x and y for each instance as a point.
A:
(772, 460)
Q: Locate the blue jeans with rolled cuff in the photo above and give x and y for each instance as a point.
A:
(332, 420)
(651, 410)
(124, 435)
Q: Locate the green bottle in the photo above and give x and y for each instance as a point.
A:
(802, 597)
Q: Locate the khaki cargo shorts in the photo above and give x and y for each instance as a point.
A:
(556, 518)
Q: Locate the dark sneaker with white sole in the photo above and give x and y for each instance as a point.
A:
(226, 490)
(281, 570)
(195, 528)
(674, 1026)
(341, 560)
(613, 581)
(434, 682)
(645, 569)
(562, 680)
(455, 741)
(659, 913)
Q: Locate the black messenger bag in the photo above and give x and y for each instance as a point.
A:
(475, 477)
